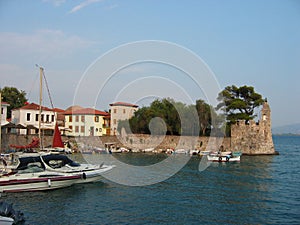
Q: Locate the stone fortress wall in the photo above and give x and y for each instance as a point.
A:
(252, 138)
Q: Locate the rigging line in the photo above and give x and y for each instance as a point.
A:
(48, 90)
(51, 102)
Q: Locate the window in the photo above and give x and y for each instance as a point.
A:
(96, 119)
(42, 118)
(124, 111)
(82, 119)
(70, 118)
(115, 121)
(52, 118)
(76, 129)
(28, 116)
(76, 118)
(36, 117)
(115, 110)
(47, 118)
(82, 129)
(71, 128)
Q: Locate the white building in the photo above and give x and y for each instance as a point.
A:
(86, 122)
(4, 106)
(28, 115)
(120, 111)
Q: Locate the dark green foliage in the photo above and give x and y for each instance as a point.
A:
(172, 118)
(14, 97)
(239, 103)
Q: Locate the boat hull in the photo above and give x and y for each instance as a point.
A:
(6, 220)
(36, 182)
(223, 158)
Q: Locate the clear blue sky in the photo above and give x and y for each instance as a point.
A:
(255, 43)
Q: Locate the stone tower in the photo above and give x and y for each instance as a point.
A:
(254, 138)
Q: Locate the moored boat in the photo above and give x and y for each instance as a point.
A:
(36, 181)
(4, 220)
(63, 164)
(223, 157)
(10, 216)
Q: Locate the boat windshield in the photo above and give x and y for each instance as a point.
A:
(30, 165)
(58, 161)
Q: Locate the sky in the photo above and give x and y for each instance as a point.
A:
(95, 52)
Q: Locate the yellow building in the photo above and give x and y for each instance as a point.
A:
(86, 122)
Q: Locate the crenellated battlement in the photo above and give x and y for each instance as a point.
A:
(253, 137)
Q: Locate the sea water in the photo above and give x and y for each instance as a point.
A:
(257, 190)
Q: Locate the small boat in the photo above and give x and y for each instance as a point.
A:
(194, 152)
(28, 174)
(63, 164)
(223, 157)
(36, 181)
(148, 150)
(10, 216)
(204, 152)
(181, 151)
(4, 220)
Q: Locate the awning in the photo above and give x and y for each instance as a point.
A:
(12, 125)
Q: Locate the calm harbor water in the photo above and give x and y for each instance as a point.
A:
(258, 190)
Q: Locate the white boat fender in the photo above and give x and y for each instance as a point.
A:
(83, 176)
(227, 159)
(49, 182)
(220, 159)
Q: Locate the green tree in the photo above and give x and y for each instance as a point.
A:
(14, 97)
(204, 114)
(239, 103)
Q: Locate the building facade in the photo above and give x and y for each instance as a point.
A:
(4, 106)
(86, 122)
(28, 116)
(120, 111)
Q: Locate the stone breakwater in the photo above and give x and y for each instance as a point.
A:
(139, 142)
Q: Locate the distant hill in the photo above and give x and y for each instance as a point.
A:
(287, 129)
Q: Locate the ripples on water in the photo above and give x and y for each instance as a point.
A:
(258, 190)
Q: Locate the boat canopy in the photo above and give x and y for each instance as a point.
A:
(31, 161)
(57, 160)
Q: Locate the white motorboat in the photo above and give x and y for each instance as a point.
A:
(221, 157)
(29, 174)
(63, 164)
(28, 180)
(181, 151)
(10, 216)
(4, 220)
(204, 152)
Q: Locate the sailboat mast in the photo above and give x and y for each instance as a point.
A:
(40, 103)
(0, 122)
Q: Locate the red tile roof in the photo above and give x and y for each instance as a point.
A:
(86, 111)
(58, 110)
(33, 106)
(123, 104)
(5, 103)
